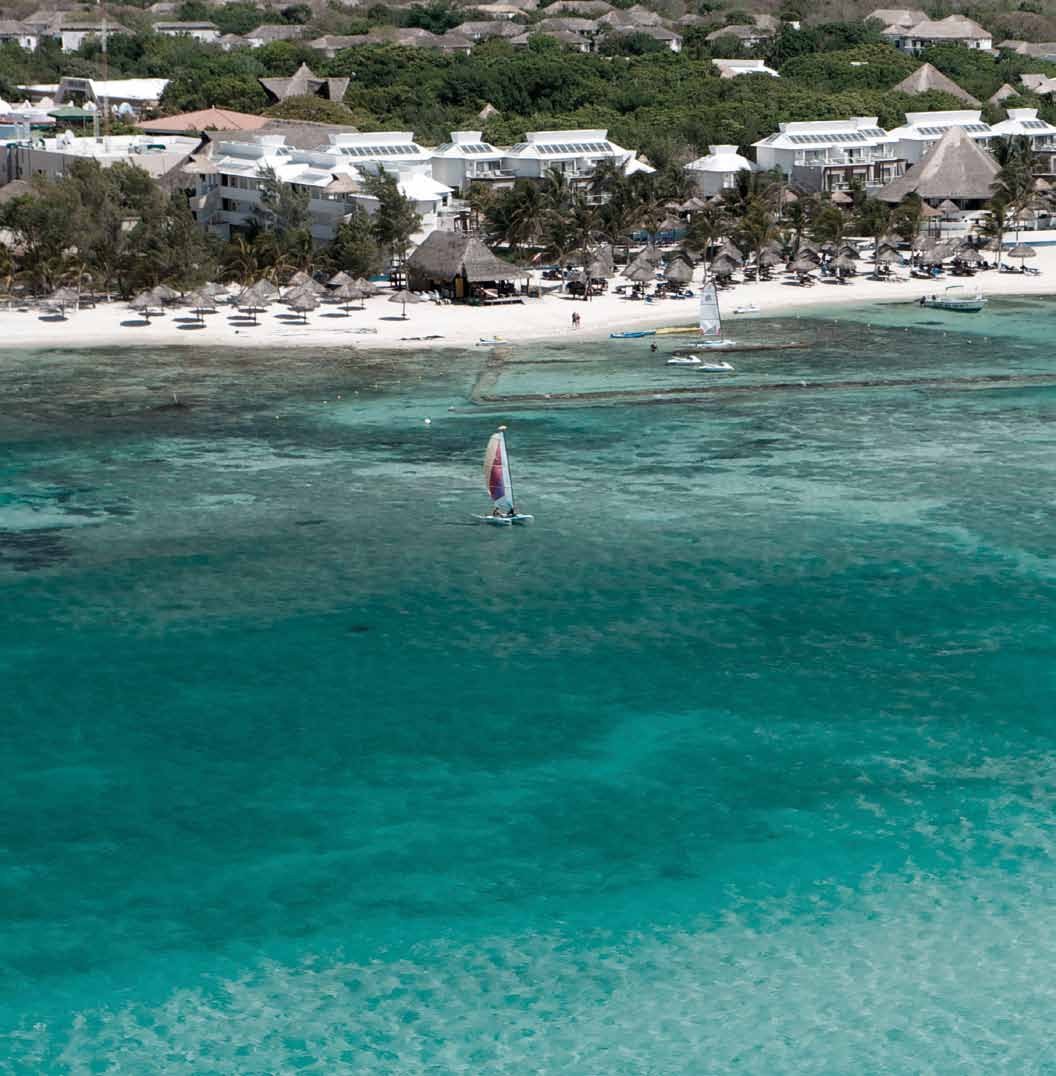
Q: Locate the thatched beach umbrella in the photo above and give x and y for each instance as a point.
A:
(844, 263)
(339, 278)
(404, 297)
(804, 263)
(303, 301)
(299, 279)
(164, 294)
(641, 272)
(768, 258)
(200, 302)
(887, 256)
(599, 269)
(312, 287)
(64, 297)
(969, 255)
(347, 293)
(1022, 251)
(651, 255)
(366, 286)
(256, 297)
(723, 265)
(143, 303)
(678, 271)
(848, 251)
(731, 251)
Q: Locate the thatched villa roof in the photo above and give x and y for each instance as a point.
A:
(926, 77)
(955, 168)
(447, 255)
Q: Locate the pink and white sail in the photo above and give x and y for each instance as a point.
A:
(497, 471)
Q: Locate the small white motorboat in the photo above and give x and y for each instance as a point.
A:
(684, 360)
(491, 341)
(747, 308)
(716, 368)
(959, 300)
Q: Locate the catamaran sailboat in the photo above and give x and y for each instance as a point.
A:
(711, 333)
(499, 484)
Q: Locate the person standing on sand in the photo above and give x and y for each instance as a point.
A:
(575, 319)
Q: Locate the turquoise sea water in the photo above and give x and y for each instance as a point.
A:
(742, 760)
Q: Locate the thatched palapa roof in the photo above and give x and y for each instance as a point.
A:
(955, 167)
(443, 256)
(926, 77)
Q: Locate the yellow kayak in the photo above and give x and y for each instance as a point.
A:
(670, 331)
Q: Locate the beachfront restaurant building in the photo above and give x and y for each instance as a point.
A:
(228, 184)
(460, 267)
(833, 155)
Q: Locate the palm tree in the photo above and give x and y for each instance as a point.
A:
(582, 221)
(556, 190)
(241, 261)
(908, 217)
(515, 218)
(1014, 184)
(480, 197)
(996, 224)
(828, 225)
(755, 229)
(619, 214)
(796, 217)
(706, 227)
(749, 187)
(874, 219)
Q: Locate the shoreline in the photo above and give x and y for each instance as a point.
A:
(545, 320)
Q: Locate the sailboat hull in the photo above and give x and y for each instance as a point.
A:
(521, 519)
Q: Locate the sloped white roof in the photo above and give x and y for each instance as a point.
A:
(421, 188)
(129, 89)
(1023, 121)
(722, 159)
(927, 126)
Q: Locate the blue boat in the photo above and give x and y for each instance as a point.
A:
(632, 336)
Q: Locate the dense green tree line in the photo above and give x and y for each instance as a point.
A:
(114, 230)
(668, 106)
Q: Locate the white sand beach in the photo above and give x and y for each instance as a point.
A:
(429, 324)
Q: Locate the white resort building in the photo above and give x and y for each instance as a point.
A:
(831, 155)
(953, 30)
(576, 154)
(204, 31)
(923, 129)
(718, 170)
(733, 68)
(467, 159)
(29, 155)
(229, 184)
